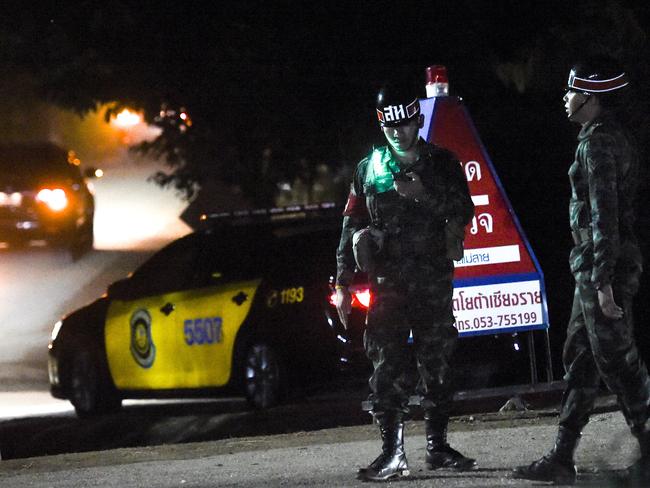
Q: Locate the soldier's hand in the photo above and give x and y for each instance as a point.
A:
(607, 304)
(412, 188)
(343, 303)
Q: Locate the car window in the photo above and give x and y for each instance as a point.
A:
(42, 160)
(232, 253)
(170, 268)
(254, 251)
(312, 250)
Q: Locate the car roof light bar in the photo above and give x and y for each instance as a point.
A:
(275, 213)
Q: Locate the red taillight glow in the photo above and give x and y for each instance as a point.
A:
(55, 199)
(360, 298)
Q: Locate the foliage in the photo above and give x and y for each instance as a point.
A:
(272, 88)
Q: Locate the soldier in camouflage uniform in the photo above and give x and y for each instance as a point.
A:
(606, 264)
(404, 195)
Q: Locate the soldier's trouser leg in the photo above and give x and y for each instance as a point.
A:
(387, 348)
(617, 360)
(434, 346)
(434, 340)
(582, 374)
(582, 377)
(386, 345)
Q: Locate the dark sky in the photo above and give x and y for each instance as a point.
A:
(326, 57)
(302, 76)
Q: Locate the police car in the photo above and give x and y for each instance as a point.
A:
(242, 306)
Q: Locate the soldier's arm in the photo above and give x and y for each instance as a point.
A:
(449, 197)
(355, 217)
(603, 196)
(460, 207)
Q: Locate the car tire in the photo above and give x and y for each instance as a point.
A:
(18, 243)
(89, 393)
(83, 241)
(63, 241)
(264, 376)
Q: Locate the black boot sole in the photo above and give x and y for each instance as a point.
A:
(465, 465)
(524, 474)
(363, 475)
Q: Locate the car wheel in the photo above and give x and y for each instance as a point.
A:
(20, 242)
(87, 236)
(89, 393)
(263, 376)
(82, 242)
(64, 240)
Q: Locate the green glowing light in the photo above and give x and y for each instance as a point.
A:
(379, 174)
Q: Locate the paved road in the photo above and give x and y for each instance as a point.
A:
(331, 457)
(38, 285)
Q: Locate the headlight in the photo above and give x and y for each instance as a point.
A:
(56, 329)
(55, 199)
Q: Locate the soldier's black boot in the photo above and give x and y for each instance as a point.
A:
(557, 465)
(639, 473)
(439, 453)
(392, 461)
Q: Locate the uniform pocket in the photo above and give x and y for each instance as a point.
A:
(581, 257)
(578, 218)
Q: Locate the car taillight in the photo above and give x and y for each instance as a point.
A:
(55, 198)
(360, 298)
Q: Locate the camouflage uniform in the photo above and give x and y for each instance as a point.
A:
(603, 182)
(411, 280)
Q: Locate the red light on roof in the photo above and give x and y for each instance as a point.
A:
(437, 74)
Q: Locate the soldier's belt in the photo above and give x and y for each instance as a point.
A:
(581, 235)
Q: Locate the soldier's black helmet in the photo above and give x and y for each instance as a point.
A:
(397, 104)
(598, 75)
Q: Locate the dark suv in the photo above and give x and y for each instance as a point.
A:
(43, 195)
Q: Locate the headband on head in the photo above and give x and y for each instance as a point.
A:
(592, 85)
(392, 115)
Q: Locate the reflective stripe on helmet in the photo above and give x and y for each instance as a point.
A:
(596, 86)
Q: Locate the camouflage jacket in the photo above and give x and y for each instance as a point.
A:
(408, 225)
(603, 180)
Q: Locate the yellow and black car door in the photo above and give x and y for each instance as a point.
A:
(144, 344)
(224, 283)
(302, 298)
(210, 318)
